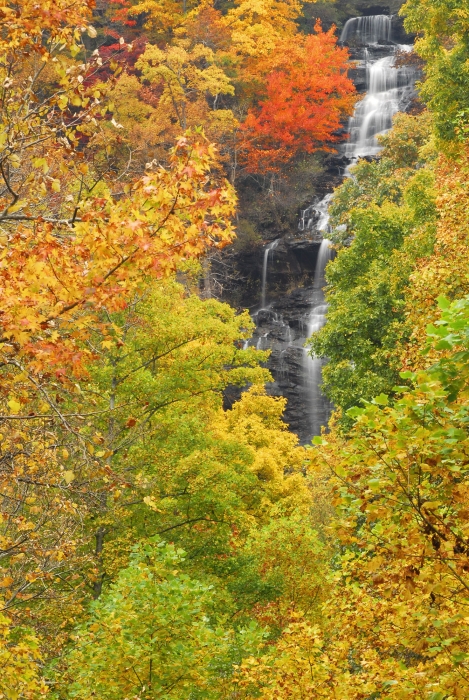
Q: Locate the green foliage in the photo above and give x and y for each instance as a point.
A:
(181, 466)
(451, 333)
(290, 554)
(444, 45)
(384, 216)
(153, 636)
(211, 481)
(409, 143)
(164, 382)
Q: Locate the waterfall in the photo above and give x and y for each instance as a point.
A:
(389, 89)
(323, 210)
(367, 30)
(319, 407)
(298, 375)
(262, 341)
(268, 252)
(324, 255)
(316, 216)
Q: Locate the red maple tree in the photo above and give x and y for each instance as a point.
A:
(306, 99)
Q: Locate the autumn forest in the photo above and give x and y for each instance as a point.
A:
(166, 532)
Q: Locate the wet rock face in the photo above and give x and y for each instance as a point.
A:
(281, 280)
(291, 264)
(290, 272)
(282, 324)
(282, 328)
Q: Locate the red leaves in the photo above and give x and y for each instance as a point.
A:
(306, 99)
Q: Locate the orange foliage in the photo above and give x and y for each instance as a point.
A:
(306, 99)
(206, 26)
(28, 21)
(171, 215)
(76, 245)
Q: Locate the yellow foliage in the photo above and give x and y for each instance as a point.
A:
(256, 421)
(162, 16)
(186, 73)
(257, 25)
(294, 671)
(72, 254)
(20, 672)
(446, 270)
(148, 132)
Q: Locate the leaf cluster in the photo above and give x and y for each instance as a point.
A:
(384, 219)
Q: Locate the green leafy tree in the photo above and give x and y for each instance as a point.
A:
(153, 636)
(284, 565)
(384, 217)
(179, 465)
(443, 44)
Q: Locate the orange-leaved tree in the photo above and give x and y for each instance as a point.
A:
(306, 99)
(76, 244)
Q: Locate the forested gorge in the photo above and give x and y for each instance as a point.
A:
(164, 535)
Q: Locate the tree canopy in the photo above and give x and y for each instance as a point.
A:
(157, 540)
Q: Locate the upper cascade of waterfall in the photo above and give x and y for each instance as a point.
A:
(367, 30)
(390, 89)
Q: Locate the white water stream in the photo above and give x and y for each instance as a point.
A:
(367, 30)
(319, 407)
(268, 253)
(389, 90)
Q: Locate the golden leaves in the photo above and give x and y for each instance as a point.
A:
(14, 406)
(19, 657)
(72, 254)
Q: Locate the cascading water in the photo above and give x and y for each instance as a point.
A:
(319, 406)
(285, 322)
(316, 216)
(389, 90)
(367, 30)
(268, 253)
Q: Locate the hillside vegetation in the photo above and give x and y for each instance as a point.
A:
(153, 544)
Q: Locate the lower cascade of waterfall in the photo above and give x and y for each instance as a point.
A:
(389, 89)
(318, 405)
